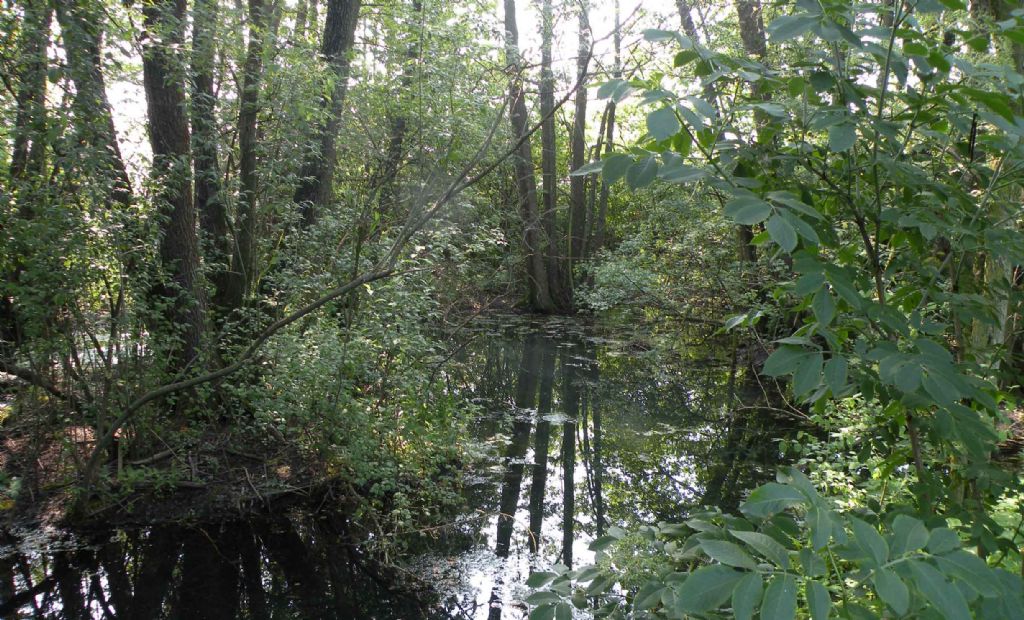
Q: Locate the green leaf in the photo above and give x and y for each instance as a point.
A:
(746, 595)
(563, 611)
(615, 167)
(892, 590)
(728, 553)
(706, 588)
(662, 124)
(537, 580)
(544, 596)
(939, 388)
(603, 542)
(821, 526)
(783, 360)
(944, 596)
(970, 569)
(841, 137)
(771, 498)
(591, 168)
(782, 233)
(835, 373)
(808, 374)
(823, 306)
(544, 612)
(789, 26)
(748, 210)
(642, 173)
(766, 546)
(780, 598)
(909, 534)
(870, 541)
(943, 540)
(818, 600)
(649, 595)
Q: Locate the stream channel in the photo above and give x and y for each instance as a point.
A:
(582, 426)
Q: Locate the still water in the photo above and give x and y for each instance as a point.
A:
(579, 426)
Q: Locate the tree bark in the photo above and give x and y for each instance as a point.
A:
(28, 155)
(577, 184)
(560, 294)
(209, 197)
(526, 184)
(243, 262)
(754, 43)
(82, 34)
(317, 185)
(169, 138)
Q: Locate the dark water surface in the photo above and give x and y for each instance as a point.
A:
(581, 427)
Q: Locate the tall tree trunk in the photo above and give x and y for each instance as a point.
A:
(754, 43)
(577, 184)
(382, 183)
(560, 293)
(526, 184)
(82, 33)
(609, 139)
(209, 197)
(243, 262)
(169, 138)
(28, 155)
(317, 185)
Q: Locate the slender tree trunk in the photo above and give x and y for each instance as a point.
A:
(560, 293)
(317, 185)
(301, 11)
(243, 263)
(169, 138)
(82, 34)
(577, 184)
(385, 176)
(209, 197)
(28, 155)
(754, 43)
(526, 184)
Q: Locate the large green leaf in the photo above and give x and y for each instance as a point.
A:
(841, 137)
(819, 602)
(662, 124)
(706, 588)
(728, 553)
(870, 541)
(779, 601)
(642, 173)
(772, 498)
(746, 595)
(615, 167)
(909, 534)
(789, 26)
(808, 374)
(782, 232)
(892, 590)
(766, 546)
(748, 210)
(943, 596)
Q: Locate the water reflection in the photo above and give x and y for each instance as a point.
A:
(588, 428)
(647, 433)
(282, 568)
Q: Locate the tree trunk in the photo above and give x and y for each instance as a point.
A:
(82, 34)
(577, 184)
(317, 185)
(243, 263)
(28, 155)
(209, 197)
(526, 184)
(560, 293)
(754, 43)
(382, 183)
(609, 139)
(169, 138)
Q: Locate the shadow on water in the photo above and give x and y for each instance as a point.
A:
(587, 427)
